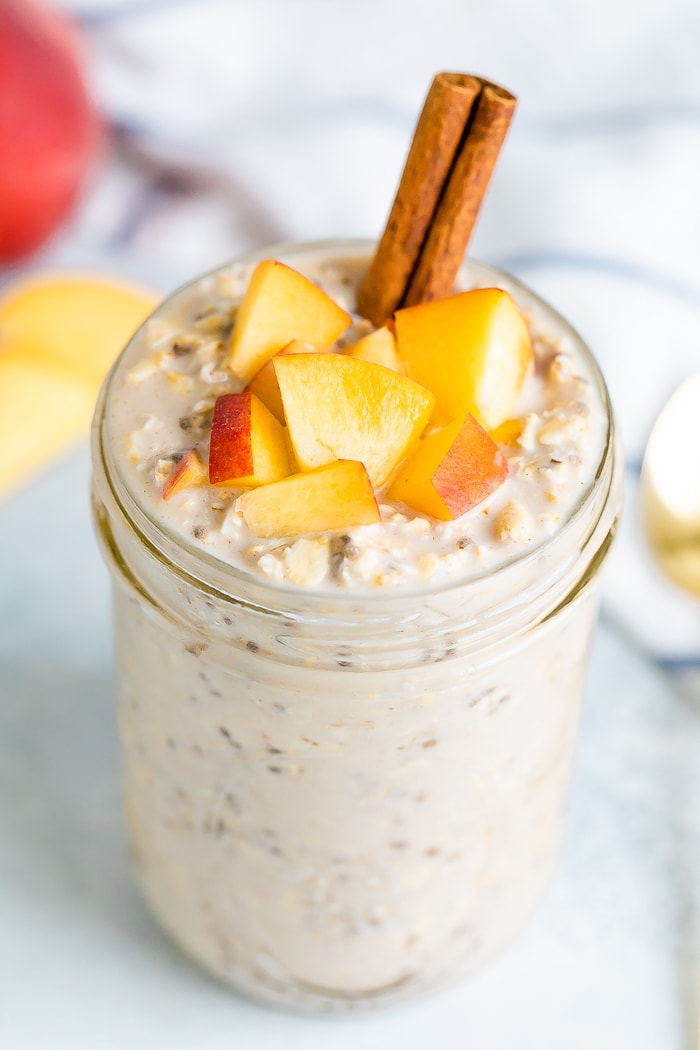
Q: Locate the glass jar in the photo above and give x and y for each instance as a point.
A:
(337, 800)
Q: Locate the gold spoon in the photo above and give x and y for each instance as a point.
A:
(670, 499)
(670, 487)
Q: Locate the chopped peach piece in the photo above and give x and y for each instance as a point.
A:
(264, 383)
(380, 347)
(335, 496)
(508, 432)
(188, 471)
(340, 408)
(452, 470)
(280, 305)
(248, 446)
(473, 350)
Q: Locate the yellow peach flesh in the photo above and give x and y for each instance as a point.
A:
(336, 496)
(473, 350)
(43, 411)
(264, 383)
(279, 305)
(77, 323)
(453, 469)
(341, 408)
(59, 335)
(379, 347)
(189, 471)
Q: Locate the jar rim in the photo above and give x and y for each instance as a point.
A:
(213, 574)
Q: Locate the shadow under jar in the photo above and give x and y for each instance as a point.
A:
(343, 798)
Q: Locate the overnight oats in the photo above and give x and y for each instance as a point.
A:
(352, 619)
(355, 500)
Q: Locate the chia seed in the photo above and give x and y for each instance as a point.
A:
(340, 549)
(185, 345)
(227, 736)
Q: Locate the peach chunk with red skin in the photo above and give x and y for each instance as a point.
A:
(264, 383)
(472, 349)
(279, 305)
(189, 470)
(453, 469)
(340, 408)
(248, 446)
(335, 496)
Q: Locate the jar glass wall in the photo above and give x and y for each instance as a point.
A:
(342, 799)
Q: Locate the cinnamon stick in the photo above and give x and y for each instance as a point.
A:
(454, 150)
(437, 137)
(452, 224)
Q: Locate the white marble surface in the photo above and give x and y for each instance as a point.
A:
(238, 122)
(605, 965)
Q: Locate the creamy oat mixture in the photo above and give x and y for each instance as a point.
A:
(161, 406)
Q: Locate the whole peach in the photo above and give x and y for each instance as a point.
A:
(49, 128)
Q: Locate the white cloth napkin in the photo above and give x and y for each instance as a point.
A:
(243, 123)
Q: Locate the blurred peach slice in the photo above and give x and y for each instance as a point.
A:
(59, 335)
(340, 408)
(77, 322)
(279, 305)
(42, 412)
(336, 496)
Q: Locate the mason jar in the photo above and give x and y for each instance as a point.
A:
(338, 799)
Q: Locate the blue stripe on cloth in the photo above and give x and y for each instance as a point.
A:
(665, 113)
(120, 12)
(623, 269)
(678, 664)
